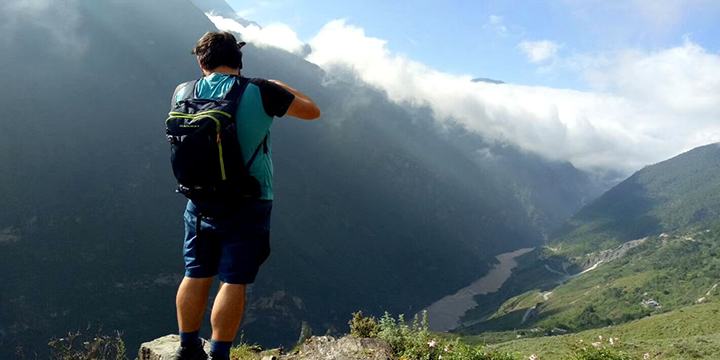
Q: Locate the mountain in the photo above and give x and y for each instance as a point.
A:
(222, 8)
(377, 206)
(596, 277)
(664, 197)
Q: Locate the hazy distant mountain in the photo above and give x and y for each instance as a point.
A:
(491, 81)
(376, 207)
(671, 195)
(222, 8)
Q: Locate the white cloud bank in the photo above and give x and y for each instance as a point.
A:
(276, 35)
(538, 51)
(645, 106)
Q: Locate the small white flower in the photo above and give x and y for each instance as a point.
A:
(439, 357)
(596, 345)
(533, 357)
(446, 349)
(612, 341)
(431, 343)
(646, 356)
(600, 337)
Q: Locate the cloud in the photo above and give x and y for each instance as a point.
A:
(495, 22)
(539, 51)
(643, 107)
(274, 35)
(651, 106)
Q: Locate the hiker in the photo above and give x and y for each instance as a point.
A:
(219, 130)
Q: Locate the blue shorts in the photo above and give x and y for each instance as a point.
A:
(234, 240)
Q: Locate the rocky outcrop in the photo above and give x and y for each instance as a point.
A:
(345, 348)
(162, 348)
(315, 348)
(610, 255)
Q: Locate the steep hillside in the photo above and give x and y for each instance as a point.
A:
(376, 207)
(660, 235)
(659, 274)
(682, 191)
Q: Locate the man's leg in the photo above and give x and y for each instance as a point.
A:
(227, 312)
(191, 302)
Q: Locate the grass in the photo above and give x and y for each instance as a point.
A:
(689, 333)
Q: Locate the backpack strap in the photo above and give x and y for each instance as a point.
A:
(187, 95)
(263, 144)
(237, 90)
(192, 87)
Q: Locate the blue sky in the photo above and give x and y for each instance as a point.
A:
(482, 38)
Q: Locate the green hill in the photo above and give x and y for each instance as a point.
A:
(659, 292)
(661, 274)
(664, 197)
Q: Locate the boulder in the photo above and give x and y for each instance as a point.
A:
(162, 348)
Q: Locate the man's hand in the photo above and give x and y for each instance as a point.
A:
(302, 107)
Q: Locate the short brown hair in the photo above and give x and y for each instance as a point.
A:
(216, 49)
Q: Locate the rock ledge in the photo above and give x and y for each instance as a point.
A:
(315, 348)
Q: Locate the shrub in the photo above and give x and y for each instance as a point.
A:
(363, 327)
(78, 347)
(416, 342)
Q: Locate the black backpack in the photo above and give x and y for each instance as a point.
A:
(205, 152)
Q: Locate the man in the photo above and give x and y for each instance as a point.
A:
(234, 239)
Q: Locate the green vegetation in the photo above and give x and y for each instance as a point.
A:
(244, 351)
(363, 327)
(668, 196)
(689, 333)
(97, 346)
(416, 342)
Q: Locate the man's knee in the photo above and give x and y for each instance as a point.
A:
(197, 283)
(235, 288)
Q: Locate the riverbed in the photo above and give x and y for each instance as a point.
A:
(445, 314)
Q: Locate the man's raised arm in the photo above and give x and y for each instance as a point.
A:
(302, 107)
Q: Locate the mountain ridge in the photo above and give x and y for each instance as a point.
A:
(667, 196)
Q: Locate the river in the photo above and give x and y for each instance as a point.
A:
(445, 314)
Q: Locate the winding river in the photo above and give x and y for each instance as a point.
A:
(445, 314)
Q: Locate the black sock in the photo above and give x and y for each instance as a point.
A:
(190, 340)
(221, 348)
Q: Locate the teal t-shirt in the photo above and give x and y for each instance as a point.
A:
(254, 118)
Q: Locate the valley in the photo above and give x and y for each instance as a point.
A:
(446, 313)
